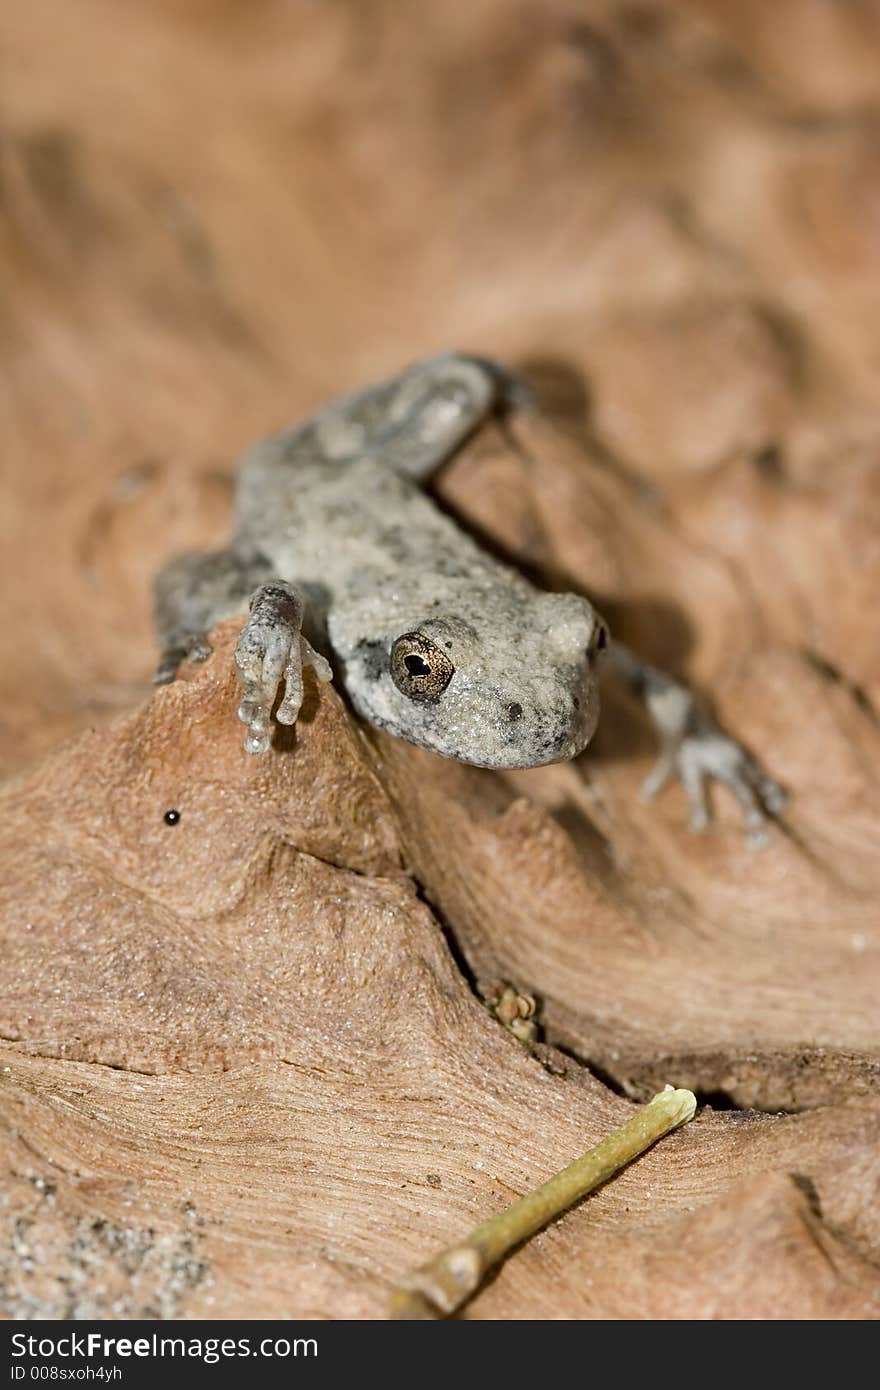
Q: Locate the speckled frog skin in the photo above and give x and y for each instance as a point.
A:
(341, 555)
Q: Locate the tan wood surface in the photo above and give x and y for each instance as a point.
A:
(247, 1068)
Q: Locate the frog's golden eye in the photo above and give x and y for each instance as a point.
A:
(419, 668)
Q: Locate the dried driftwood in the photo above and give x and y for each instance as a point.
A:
(247, 1068)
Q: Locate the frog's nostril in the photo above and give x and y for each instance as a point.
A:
(513, 711)
(599, 641)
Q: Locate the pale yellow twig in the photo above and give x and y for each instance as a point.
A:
(438, 1288)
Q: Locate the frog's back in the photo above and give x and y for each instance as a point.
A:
(352, 524)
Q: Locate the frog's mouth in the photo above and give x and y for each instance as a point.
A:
(556, 738)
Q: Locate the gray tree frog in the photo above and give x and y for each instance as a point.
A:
(338, 550)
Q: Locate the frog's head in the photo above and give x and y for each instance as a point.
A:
(513, 685)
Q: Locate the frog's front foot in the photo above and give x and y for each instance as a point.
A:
(272, 649)
(695, 749)
(702, 753)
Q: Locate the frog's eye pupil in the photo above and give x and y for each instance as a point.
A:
(416, 666)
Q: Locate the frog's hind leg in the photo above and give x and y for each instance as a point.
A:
(696, 750)
(416, 421)
(195, 591)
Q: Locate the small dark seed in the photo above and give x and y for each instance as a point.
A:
(172, 817)
(514, 711)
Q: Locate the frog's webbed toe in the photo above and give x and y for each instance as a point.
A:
(272, 649)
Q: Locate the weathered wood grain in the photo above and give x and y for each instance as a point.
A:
(245, 1067)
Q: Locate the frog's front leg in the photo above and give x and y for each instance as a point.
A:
(272, 649)
(196, 591)
(695, 749)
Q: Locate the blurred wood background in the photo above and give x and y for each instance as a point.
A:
(247, 1068)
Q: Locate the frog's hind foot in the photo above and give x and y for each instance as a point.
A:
(190, 647)
(272, 649)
